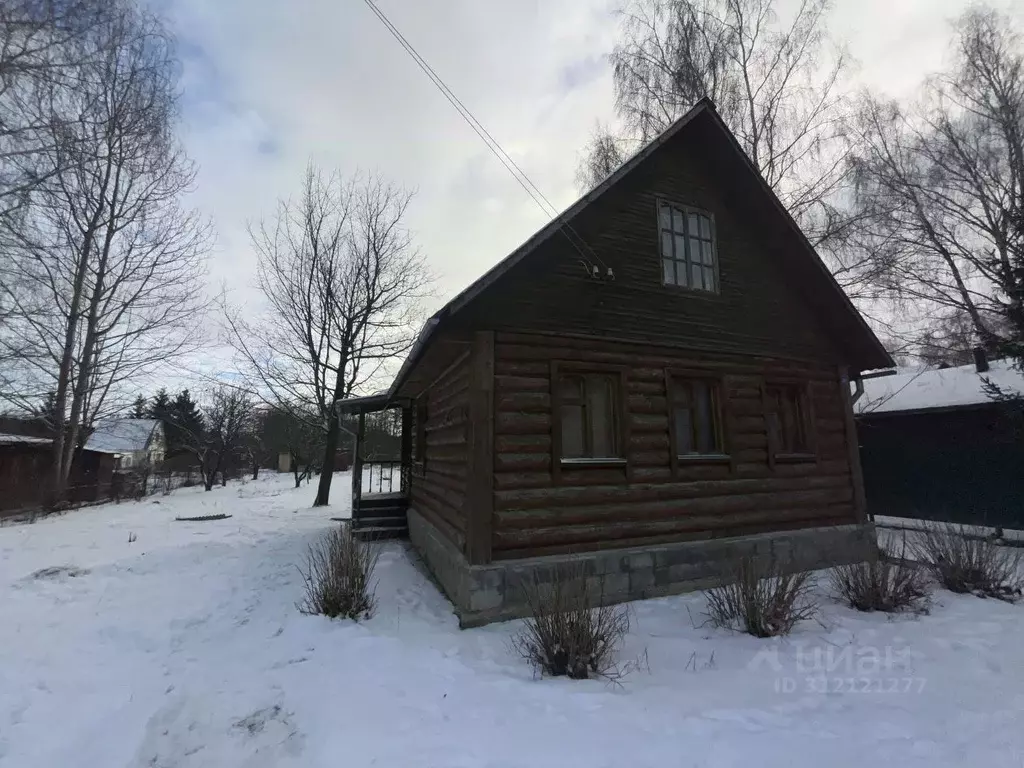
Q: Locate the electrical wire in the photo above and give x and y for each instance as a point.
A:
(492, 144)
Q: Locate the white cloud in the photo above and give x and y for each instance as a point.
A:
(328, 81)
(269, 84)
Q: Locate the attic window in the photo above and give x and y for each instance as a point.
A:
(687, 248)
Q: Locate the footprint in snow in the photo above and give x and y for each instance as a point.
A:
(59, 572)
(255, 722)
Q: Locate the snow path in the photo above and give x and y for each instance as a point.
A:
(183, 648)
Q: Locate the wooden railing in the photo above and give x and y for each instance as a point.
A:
(382, 477)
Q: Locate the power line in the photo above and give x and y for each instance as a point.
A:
(492, 144)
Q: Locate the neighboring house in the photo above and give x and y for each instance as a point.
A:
(936, 446)
(26, 465)
(135, 441)
(651, 386)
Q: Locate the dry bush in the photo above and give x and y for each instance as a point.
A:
(889, 584)
(338, 576)
(970, 564)
(761, 599)
(570, 631)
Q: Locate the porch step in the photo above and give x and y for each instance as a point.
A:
(379, 521)
(382, 499)
(392, 511)
(380, 532)
(380, 516)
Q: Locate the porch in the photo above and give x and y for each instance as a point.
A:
(381, 463)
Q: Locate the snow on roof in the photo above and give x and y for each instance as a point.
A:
(121, 435)
(7, 439)
(924, 389)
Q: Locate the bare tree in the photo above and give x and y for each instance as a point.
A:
(941, 183)
(343, 282)
(301, 437)
(43, 45)
(253, 445)
(227, 420)
(776, 79)
(103, 281)
(600, 157)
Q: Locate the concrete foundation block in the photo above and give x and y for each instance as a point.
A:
(616, 586)
(497, 591)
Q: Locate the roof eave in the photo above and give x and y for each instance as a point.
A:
(981, 405)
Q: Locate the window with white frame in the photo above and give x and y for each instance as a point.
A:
(687, 247)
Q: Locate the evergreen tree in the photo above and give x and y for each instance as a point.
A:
(139, 408)
(160, 407)
(184, 421)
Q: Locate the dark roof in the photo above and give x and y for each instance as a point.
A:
(867, 352)
(367, 404)
(9, 439)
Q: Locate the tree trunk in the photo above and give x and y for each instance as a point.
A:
(83, 380)
(323, 491)
(59, 480)
(60, 438)
(209, 472)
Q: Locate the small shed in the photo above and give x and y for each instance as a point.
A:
(936, 446)
(26, 465)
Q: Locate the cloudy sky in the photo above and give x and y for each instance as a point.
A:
(270, 83)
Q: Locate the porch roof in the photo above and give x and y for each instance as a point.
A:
(369, 403)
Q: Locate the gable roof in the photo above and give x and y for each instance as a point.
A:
(121, 435)
(867, 352)
(914, 391)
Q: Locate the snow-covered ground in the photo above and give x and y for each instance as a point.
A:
(183, 647)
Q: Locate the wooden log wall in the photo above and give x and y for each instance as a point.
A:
(647, 501)
(438, 492)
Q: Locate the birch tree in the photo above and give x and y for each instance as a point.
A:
(43, 45)
(342, 282)
(103, 282)
(941, 182)
(779, 82)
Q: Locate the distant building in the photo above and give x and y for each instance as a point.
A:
(936, 446)
(134, 441)
(26, 464)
